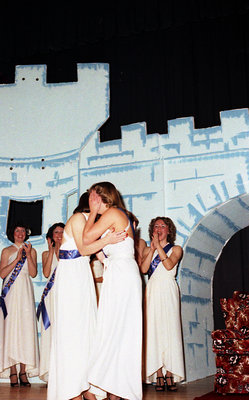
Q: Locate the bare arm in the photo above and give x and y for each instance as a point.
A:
(6, 268)
(140, 249)
(47, 259)
(111, 218)
(168, 262)
(146, 258)
(93, 230)
(31, 258)
(78, 222)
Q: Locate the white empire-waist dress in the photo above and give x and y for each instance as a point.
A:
(74, 326)
(18, 331)
(163, 331)
(116, 360)
(45, 341)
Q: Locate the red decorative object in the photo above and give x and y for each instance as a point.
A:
(231, 346)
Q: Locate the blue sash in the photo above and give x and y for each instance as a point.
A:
(63, 255)
(154, 263)
(69, 254)
(10, 282)
(41, 307)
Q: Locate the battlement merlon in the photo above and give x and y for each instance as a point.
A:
(63, 113)
(182, 140)
(38, 73)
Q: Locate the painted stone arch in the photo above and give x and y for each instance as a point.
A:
(201, 252)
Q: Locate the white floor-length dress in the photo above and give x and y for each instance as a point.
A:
(18, 331)
(116, 361)
(45, 340)
(163, 331)
(74, 326)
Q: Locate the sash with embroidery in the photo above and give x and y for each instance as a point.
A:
(154, 263)
(10, 282)
(65, 255)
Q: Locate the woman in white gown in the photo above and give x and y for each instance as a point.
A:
(163, 334)
(50, 260)
(116, 359)
(18, 325)
(75, 310)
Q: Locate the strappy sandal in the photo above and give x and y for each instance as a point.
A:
(159, 387)
(14, 384)
(22, 382)
(172, 387)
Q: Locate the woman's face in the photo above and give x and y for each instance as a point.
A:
(57, 234)
(19, 234)
(161, 229)
(96, 201)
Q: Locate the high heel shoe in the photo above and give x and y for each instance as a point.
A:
(159, 387)
(172, 386)
(24, 383)
(14, 384)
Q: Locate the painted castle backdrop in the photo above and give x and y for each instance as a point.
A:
(51, 152)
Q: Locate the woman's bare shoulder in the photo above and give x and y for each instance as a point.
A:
(75, 218)
(177, 250)
(7, 251)
(33, 251)
(45, 255)
(146, 250)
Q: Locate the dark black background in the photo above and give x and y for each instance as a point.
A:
(231, 272)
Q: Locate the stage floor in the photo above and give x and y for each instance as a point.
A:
(186, 391)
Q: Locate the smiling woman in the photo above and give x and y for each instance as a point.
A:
(163, 338)
(18, 329)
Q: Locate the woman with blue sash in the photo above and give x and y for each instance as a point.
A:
(18, 326)
(116, 359)
(74, 311)
(50, 259)
(163, 333)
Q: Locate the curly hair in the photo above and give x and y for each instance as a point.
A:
(171, 237)
(52, 228)
(11, 230)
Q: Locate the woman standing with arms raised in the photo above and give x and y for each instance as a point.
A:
(75, 310)
(163, 334)
(18, 327)
(116, 361)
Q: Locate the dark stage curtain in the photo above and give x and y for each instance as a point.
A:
(168, 59)
(231, 272)
(27, 213)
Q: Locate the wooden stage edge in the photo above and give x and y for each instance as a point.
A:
(186, 391)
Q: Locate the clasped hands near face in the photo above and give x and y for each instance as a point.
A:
(155, 242)
(27, 246)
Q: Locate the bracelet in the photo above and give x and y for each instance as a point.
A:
(164, 259)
